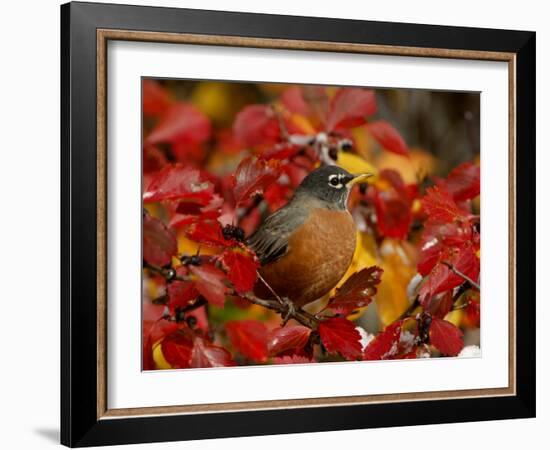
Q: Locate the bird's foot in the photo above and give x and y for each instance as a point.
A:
(290, 310)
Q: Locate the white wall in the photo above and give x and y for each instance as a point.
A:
(29, 236)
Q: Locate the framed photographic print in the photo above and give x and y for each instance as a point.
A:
(277, 224)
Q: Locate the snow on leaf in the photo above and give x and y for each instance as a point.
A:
(254, 176)
(470, 351)
(159, 242)
(339, 335)
(179, 182)
(385, 344)
(349, 108)
(241, 268)
(255, 125)
(357, 291)
(210, 282)
(287, 338)
(388, 137)
(248, 337)
(181, 123)
(446, 337)
(205, 354)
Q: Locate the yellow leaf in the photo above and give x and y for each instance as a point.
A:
(455, 317)
(355, 164)
(303, 124)
(189, 247)
(418, 165)
(158, 357)
(399, 264)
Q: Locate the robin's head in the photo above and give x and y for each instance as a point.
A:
(330, 184)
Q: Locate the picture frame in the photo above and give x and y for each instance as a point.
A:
(86, 29)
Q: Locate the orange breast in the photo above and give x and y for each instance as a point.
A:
(319, 253)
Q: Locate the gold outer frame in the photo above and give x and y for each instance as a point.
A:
(103, 36)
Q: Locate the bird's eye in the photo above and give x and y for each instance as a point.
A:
(334, 181)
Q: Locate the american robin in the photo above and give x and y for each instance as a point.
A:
(306, 247)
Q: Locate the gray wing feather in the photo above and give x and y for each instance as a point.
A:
(270, 240)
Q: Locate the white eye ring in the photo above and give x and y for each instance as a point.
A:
(335, 177)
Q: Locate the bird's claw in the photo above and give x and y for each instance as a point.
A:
(290, 310)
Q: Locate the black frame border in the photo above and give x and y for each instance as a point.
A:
(79, 423)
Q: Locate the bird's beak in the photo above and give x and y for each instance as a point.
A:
(358, 178)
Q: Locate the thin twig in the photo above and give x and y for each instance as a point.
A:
(298, 314)
(415, 304)
(460, 274)
(165, 272)
(280, 121)
(279, 299)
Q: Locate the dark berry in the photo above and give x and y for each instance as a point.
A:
(194, 260)
(170, 274)
(233, 232)
(346, 145)
(191, 321)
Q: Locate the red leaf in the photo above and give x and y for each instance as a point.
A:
(463, 183)
(181, 123)
(446, 337)
(253, 176)
(473, 312)
(181, 293)
(349, 108)
(248, 337)
(393, 214)
(339, 335)
(442, 278)
(430, 251)
(438, 305)
(294, 101)
(176, 349)
(293, 359)
(155, 98)
(154, 159)
(154, 328)
(277, 196)
(210, 283)
(385, 343)
(287, 338)
(209, 232)
(256, 124)
(438, 237)
(241, 269)
(317, 100)
(357, 291)
(205, 354)
(179, 182)
(439, 206)
(159, 242)
(388, 137)
(153, 323)
(280, 151)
